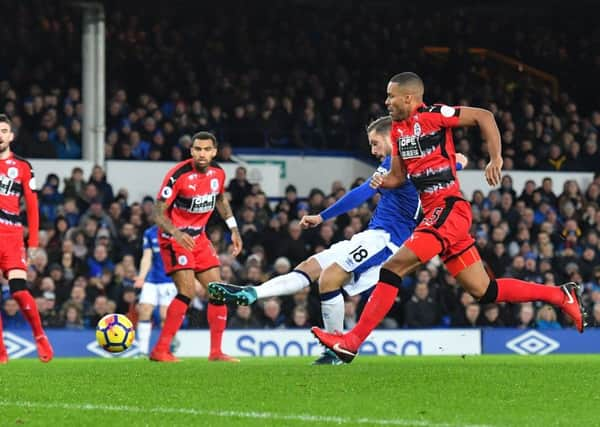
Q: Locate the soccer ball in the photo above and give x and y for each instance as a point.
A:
(115, 333)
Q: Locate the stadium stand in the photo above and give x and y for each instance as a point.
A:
(263, 81)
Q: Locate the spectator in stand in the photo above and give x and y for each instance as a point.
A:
(293, 246)
(48, 314)
(225, 153)
(65, 145)
(74, 184)
(491, 316)
(97, 263)
(243, 318)
(472, 314)
(546, 318)
(300, 318)
(11, 315)
(239, 188)
(49, 201)
(272, 316)
(105, 190)
(526, 316)
(421, 311)
(41, 147)
(71, 316)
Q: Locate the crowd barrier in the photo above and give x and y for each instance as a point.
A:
(299, 342)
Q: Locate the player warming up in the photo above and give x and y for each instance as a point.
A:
(189, 194)
(16, 180)
(157, 288)
(351, 264)
(423, 148)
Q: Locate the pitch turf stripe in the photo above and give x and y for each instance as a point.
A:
(232, 414)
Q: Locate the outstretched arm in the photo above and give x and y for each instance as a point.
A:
(352, 199)
(227, 214)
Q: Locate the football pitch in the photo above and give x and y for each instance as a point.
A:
(372, 391)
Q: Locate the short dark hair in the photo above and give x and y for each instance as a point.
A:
(205, 135)
(5, 119)
(382, 125)
(407, 78)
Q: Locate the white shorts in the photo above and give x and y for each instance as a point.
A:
(158, 293)
(362, 256)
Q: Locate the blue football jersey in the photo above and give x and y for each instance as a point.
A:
(398, 208)
(157, 270)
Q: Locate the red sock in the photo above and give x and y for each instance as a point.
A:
(174, 319)
(217, 319)
(30, 311)
(380, 302)
(514, 290)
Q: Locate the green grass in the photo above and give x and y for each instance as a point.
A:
(426, 391)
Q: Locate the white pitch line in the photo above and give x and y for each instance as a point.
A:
(234, 414)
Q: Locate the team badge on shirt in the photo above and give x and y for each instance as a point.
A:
(417, 130)
(12, 172)
(214, 184)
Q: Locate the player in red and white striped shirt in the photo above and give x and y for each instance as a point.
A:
(424, 150)
(190, 192)
(17, 180)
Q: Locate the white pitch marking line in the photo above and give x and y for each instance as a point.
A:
(235, 414)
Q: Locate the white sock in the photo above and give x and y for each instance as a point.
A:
(287, 284)
(332, 311)
(144, 327)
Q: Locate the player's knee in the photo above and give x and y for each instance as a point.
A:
(486, 295)
(187, 289)
(394, 265)
(310, 268)
(332, 278)
(16, 285)
(326, 284)
(145, 311)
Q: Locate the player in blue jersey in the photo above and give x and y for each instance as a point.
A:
(157, 288)
(350, 264)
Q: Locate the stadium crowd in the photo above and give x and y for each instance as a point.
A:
(91, 245)
(319, 91)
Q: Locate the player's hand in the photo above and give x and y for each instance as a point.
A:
(462, 159)
(237, 242)
(493, 171)
(138, 282)
(31, 254)
(311, 221)
(184, 239)
(376, 180)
